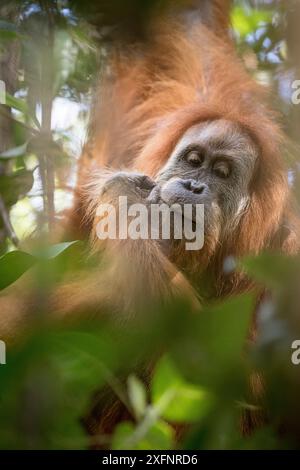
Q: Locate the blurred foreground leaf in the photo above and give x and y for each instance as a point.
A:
(21, 105)
(188, 403)
(14, 152)
(53, 251)
(209, 348)
(15, 186)
(159, 437)
(274, 270)
(13, 265)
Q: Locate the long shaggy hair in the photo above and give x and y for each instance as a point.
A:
(150, 94)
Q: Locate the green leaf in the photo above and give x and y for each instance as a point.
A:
(54, 251)
(188, 403)
(137, 396)
(210, 346)
(8, 35)
(160, 436)
(15, 186)
(85, 361)
(122, 433)
(8, 30)
(13, 265)
(52, 374)
(15, 152)
(21, 106)
(272, 269)
(245, 23)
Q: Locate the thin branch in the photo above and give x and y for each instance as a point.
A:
(46, 98)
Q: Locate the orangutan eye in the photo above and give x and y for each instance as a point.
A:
(194, 157)
(221, 169)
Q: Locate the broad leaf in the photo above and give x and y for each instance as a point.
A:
(188, 403)
(271, 269)
(21, 106)
(13, 265)
(160, 436)
(14, 152)
(53, 251)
